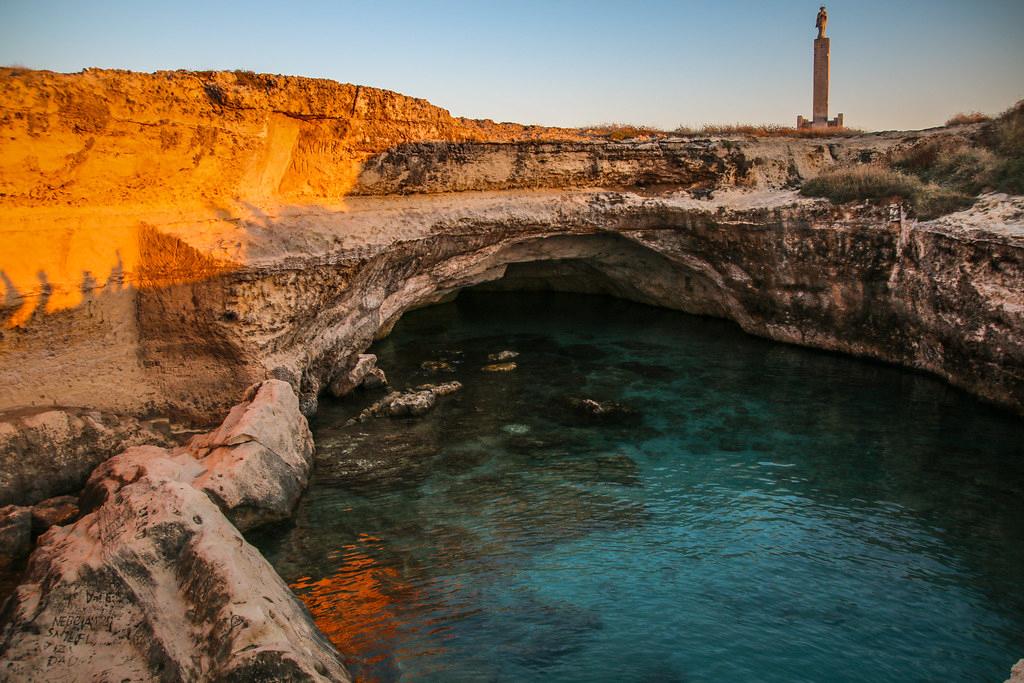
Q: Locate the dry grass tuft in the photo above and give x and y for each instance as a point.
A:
(766, 130)
(956, 163)
(622, 131)
(1008, 143)
(877, 183)
(962, 119)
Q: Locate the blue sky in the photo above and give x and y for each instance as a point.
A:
(895, 64)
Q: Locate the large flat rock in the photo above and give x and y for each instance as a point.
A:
(156, 583)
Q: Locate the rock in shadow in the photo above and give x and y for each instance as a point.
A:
(574, 410)
(548, 632)
(377, 457)
(636, 345)
(617, 469)
(588, 352)
(649, 370)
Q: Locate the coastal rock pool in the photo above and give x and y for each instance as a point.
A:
(745, 510)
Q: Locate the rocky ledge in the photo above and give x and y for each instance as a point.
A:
(155, 581)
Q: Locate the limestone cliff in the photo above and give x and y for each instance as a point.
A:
(172, 238)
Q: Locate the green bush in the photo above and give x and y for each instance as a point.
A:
(877, 183)
(1008, 136)
(963, 167)
(1009, 177)
(862, 182)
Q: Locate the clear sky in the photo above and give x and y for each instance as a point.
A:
(895, 63)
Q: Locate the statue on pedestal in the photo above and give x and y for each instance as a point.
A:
(822, 21)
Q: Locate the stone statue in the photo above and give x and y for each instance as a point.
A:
(822, 21)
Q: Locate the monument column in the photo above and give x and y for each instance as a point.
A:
(821, 75)
(822, 55)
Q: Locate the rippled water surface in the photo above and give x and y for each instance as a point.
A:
(764, 513)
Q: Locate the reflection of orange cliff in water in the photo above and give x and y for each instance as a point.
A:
(358, 607)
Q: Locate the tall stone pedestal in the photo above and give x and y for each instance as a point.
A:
(822, 49)
(819, 117)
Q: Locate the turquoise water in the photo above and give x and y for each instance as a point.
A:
(756, 512)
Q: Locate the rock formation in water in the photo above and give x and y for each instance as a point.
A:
(173, 238)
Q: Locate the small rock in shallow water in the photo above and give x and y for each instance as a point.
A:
(516, 429)
(413, 403)
(442, 389)
(499, 367)
(410, 403)
(600, 411)
(364, 372)
(437, 366)
(502, 356)
(375, 379)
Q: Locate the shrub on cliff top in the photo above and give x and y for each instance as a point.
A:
(963, 118)
(869, 182)
(1008, 133)
(622, 131)
(956, 163)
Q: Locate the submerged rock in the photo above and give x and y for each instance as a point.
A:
(502, 356)
(588, 409)
(516, 429)
(606, 469)
(409, 403)
(499, 367)
(437, 366)
(15, 534)
(379, 455)
(155, 583)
